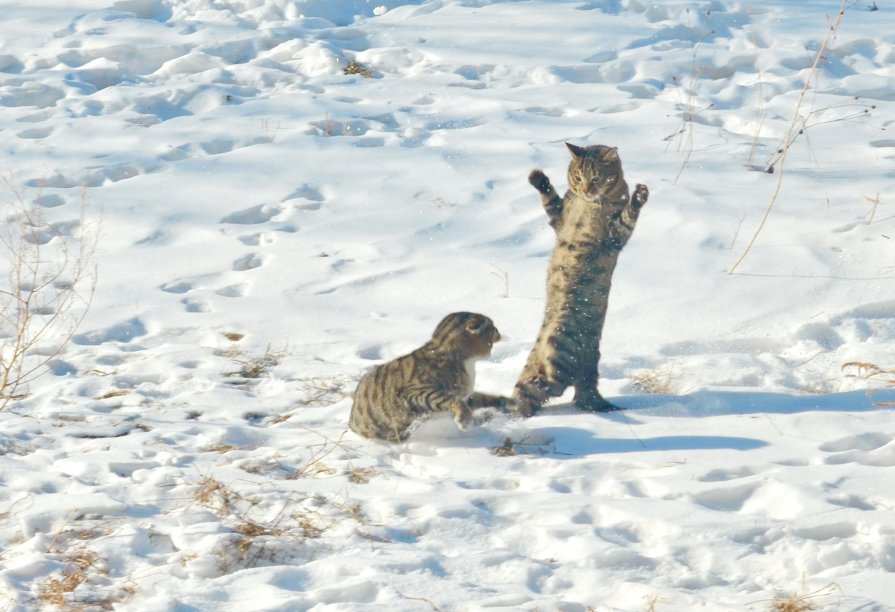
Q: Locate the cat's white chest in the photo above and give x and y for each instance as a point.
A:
(469, 366)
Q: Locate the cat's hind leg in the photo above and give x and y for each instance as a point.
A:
(588, 399)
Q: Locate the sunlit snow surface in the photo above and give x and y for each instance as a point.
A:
(270, 228)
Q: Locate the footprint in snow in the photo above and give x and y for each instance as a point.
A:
(254, 215)
(248, 262)
(870, 449)
(258, 239)
(234, 291)
(49, 201)
(123, 332)
(196, 305)
(35, 133)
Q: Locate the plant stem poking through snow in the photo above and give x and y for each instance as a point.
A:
(872, 372)
(50, 282)
(792, 133)
(801, 602)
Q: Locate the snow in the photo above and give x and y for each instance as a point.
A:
(269, 228)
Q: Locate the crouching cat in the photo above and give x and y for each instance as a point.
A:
(593, 222)
(437, 377)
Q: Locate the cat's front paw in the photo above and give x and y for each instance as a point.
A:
(508, 404)
(463, 419)
(539, 181)
(641, 195)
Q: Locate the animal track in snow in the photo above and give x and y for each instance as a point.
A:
(863, 442)
(248, 262)
(46, 234)
(883, 456)
(17, 92)
(727, 499)
(254, 215)
(35, 133)
(234, 291)
(95, 177)
(851, 501)
(554, 111)
(49, 200)
(196, 305)
(217, 146)
(259, 239)
(307, 192)
(723, 475)
(330, 127)
(180, 286)
(373, 352)
(123, 332)
(827, 532)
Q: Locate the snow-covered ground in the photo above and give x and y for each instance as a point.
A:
(270, 228)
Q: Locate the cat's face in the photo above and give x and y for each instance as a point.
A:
(594, 171)
(474, 333)
(482, 334)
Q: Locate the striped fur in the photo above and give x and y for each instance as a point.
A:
(437, 377)
(593, 222)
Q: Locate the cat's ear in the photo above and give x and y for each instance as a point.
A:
(475, 326)
(610, 154)
(575, 151)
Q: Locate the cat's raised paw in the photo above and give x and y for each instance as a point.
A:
(641, 195)
(539, 181)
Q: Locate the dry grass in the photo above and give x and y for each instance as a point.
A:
(82, 584)
(49, 286)
(356, 68)
(251, 529)
(254, 367)
(213, 494)
(686, 92)
(361, 475)
(323, 392)
(654, 382)
(78, 565)
(874, 205)
(504, 277)
(507, 448)
(220, 447)
(871, 373)
(315, 465)
(113, 393)
(796, 127)
(510, 447)
(801, 602)
(792, 604)
(264, 528)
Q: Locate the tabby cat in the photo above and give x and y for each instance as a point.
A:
(593, 222)
(437, 377)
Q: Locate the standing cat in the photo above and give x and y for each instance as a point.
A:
(437, 377)
(593, 222)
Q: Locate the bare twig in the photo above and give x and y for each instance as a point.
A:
(791, 133)
(51, 280)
